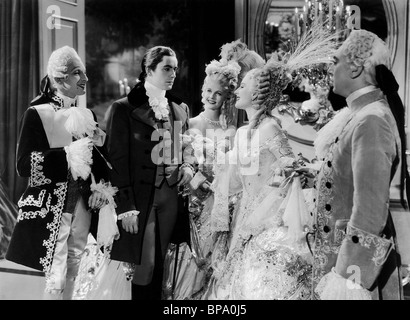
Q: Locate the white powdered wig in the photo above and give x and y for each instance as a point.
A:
(58, 61)
(363, 48)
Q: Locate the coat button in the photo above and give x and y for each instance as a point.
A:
(337, 139)
(328, 207)
(329, 164)
(326, 229)
(355, 239)
(161, 138)
(328, 185)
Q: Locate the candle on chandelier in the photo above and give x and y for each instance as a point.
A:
(296, 24)
(337, 19)
(320, 13)
(330, 14)
(122, 88)
(304, 16)
(349, 26)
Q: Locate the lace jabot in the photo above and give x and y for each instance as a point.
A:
(157, 100)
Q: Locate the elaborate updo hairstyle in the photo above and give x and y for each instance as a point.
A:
(277, 76)
(152, 58)
(365, 49)
(226, 73)
(57, 64)
(239, 52)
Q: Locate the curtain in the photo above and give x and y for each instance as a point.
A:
(19, 81)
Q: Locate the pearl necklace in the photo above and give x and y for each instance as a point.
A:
(212, 122)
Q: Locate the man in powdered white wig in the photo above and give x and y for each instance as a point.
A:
(60, 150)
(356, 254)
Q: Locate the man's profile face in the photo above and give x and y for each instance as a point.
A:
(341, 74)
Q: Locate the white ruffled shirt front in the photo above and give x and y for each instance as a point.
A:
(157, 101)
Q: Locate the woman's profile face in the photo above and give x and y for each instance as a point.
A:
(75, 84)
(213, 94)
(164, 74)
(245, 91)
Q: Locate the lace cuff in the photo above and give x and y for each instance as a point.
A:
(334, 287)
(128, 214)
(107, 230)
(106, 189)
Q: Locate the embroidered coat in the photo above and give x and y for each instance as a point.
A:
(134, 170)
(51, 190)
(355, 233)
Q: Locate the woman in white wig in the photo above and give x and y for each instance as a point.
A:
(206, 131)
(264, 255)
(60, 150)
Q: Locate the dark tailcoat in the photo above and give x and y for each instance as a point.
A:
(47, 195)
(132, 135)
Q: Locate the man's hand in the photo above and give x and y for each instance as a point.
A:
(185, 175)
(130, 224)
(97, 200)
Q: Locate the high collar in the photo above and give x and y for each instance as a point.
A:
(355, 100)
(62, 101)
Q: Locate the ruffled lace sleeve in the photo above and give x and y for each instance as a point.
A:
(294, 206)
(279, 146)
(226, 183)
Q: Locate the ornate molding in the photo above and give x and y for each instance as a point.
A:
(392, 27)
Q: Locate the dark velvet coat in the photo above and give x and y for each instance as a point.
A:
(131, 136)
(45, 198)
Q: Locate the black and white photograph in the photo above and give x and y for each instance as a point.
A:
(193, 151)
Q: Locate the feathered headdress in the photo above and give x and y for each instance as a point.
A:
(316, 46)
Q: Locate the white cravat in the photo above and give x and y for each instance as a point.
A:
(157, 100)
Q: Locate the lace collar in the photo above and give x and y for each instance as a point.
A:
(157, 100)
(61, 101)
